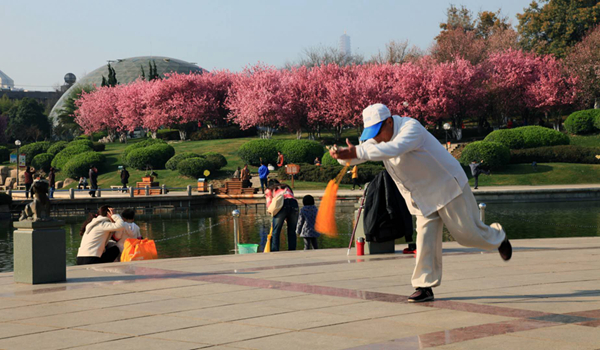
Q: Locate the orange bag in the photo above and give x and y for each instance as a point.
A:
(139, 249)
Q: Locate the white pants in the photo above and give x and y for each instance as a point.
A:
(461, 217)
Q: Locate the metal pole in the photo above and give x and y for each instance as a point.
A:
(71, 193)
(236, 224)
(18, 159)
(147, 190)
(131, 192)
(210, 189)
(164, 189)
(189, 190)
(99, 192)
(482, 212)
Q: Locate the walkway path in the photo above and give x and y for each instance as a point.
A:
(546, 297)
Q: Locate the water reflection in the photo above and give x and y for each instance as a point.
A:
(185, 233)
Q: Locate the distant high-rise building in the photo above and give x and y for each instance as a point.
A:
(345, 45)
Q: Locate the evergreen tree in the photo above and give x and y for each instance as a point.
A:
(27, 121)
(66, 128)
(143, 74)
(112, 76)
(104, 83)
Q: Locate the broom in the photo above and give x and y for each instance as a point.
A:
(325, 221)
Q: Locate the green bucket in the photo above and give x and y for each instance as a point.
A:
(247, 248)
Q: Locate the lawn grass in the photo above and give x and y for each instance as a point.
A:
(586, 141)
(546, 174)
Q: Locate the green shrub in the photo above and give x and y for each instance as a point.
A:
(154, 156)
(168, 134)
(141, 144)
(252, 151)
(174, 161)
(507, 137)
(312, 173)
(98, 135)
(80, 164)
(301, 151)
(225, 132)
(4, 154)
(88, 143)
(57, 147)
(42, 161)
(218, 159)
(195, 167)
(5, 199)
(33, 149)
(98, 147)
(582, 122)
(328, 160)
(556, 154)
(67, 154)
(597, 120)
(494, 154)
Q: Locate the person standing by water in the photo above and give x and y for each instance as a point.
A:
(95, 234)
(263, 175)
(245, 176)
(29, 172)
(237, 173)
(476, 170)
(93, 176)
(434, 186)
(355, 178)
(280, 159)
(51, 182)
(124, 179)
(288, 213)
(306, 223)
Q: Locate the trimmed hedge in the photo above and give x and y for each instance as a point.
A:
(67, 154)
(154, 156)
(216, 158)
(226, 132)
(33, 149)
(528, 137)
(195, 167)
(301, 151)
(252, 151)
(313, 173)
(168, 134)
(556, 154)
(583, 122)
(328, 160)
(494, 154)
(174, 161)
(141, 144)
(57, 147)
(88, 143)
(43, 161)
(80, 164)
(4, 154)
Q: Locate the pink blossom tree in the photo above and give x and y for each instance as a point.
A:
(97, 110)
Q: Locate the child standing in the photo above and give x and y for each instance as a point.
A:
(129, 229)
(306, 223)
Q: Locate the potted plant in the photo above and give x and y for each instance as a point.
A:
(149, 176)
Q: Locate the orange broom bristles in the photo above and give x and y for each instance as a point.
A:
(325, 221)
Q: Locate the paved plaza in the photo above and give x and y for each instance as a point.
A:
(546, 297)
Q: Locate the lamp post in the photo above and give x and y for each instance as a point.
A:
(447, 127)
(18, 144)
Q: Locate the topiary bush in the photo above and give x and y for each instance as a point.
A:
(4, 154)
(556, 154)
(507, 137)
(328, 160)
(252, 151)
(494, 154)
(301, 151)
(42, 161)
(174, 161)
(154, 156)
(141, 144)
(80, 164)
(98, 147)
(597, 120)
(313, 173)
(57, 147)
(67, 154)
(195, 167)
(583, 122)
(168, 134)
(33, 149)
(216, 158)
(88, 143)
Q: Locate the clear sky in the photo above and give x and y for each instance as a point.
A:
(43, 40)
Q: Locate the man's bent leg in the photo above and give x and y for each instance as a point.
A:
(461, 217)
(428, 268)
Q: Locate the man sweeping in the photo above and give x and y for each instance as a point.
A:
(434, 186)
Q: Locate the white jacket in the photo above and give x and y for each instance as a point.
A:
(97, 233)
(129, 230)
(426, 174)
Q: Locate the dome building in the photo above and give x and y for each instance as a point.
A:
(127, 71)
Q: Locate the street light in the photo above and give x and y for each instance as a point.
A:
(18, 144)
(447, 127)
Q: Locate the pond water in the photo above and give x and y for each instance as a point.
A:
(185, 233)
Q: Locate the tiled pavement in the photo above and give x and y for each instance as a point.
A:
(546, 297)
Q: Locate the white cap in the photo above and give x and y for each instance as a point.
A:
(375, 114)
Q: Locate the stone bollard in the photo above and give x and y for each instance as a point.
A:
(189, 190)
(39, 252)
(71, 193)
(131, 192)
(164, 189)
(482, 207)
(147, 190)
(210, 189)
(99, 193)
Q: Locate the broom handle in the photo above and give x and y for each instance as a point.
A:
(362, 202)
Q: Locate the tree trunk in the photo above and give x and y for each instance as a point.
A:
(154, 134)
(338, 132)
(597, 103)
(298, 134)
(182, 135)
(123, 137)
